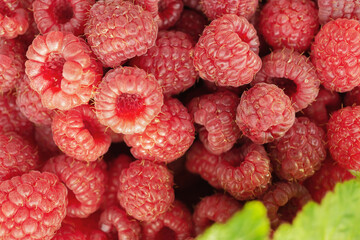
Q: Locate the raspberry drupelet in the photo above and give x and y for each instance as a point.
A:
(331, 10)
(14, 19)
(62, 69)
(128, 99)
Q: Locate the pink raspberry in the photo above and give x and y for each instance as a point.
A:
(119, 30)
(335, 55)
(216, 114)
(146, 190)
(331, 10)
(13, 19)
(299, 153)
(289, 23)
(352, 97)
(170, 62)
(168, 136)
(33, 206)
(226, 52)
(192, 23)
(292, 72)
(265, 113)
(85, 181)
(62, 69)
(61, 15)
(169, 13)
(127, 100)
(68, 231)
(217, 208)
(79, 134)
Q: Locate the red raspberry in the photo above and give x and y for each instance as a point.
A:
(299, 153)
(79, 134)
(29, 103)
(85, 181)
(293, 73)
(170, 62)
(289, 23)
(151, 6)
(62, 69)
(335, 55)
(119, 30)
(17, 155)
(343, 137)
(216, 114)
(265, 113)
(214, 9)
(192, 23)
(61, 15)
(226, 53)
(33, 206)
(146, 190)
(176, 223)
(169, 13)
(215, 208)
(352, 97)
(114, 219)
(68, 231)
(288, 197)
(248, 175)
(331, 10)
(167, 137)
(128, 99)
(13, 19)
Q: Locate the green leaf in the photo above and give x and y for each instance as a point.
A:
(251, 223)
(337, 217)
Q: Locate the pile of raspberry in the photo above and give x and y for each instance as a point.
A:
(154, 119)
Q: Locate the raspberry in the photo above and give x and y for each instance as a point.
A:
(128, 100)
(284, 196)
(352, 97)
(335, 55)
(62, 69)
(176, 223)
(169, 13)
(146, 190)
(68, 231)
(214, 9)
(299, 153)
(170, 62)
(265, 113)
(216, 114)
(215, 208)
(33, 206)
(29, 103)
(17, 155)
(226, 53)
(289, 23)
(119, 30)
(343, 137)
(193, 5)
(192, 23)
(13, 19)
(79, 134)
(330, 10)
(61, 15)
(85, 181)
(167, 137)
(115, 219)
(151, 6)
(248, 175)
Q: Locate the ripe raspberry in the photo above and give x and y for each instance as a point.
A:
(265, 113)
(176, 223)
(343, 137)
(115, 219)
(17, 155)
(331, 10)
(352, 97)
(33, 206)
(61, 15)
(128, 100)
(62, 69)
(226, 53)
(85, 181)
(215, 208)
(170, 62)
(248, 175)
(288, 197)
(151, 6)
(169, 13)
(214, 9)
(192, 23)
(13, 19)
(68, 231)
(299, 153)
(335, 55)
(119, 30)
(289, 23)
(146, 190)
(167, 137)
(79, 134)
(216, 114)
